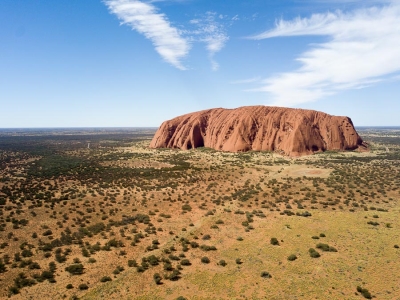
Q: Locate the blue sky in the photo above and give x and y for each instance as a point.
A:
(135, 63)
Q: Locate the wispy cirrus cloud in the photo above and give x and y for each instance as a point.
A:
(144, 18)
(363, 49)
(210, 30)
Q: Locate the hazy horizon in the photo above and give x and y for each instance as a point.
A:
(144, 127)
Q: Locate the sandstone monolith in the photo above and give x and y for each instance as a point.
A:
(293, 132)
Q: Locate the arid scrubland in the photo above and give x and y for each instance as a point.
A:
(117, 220)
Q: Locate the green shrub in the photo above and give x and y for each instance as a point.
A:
(265, 274)
(83, 286)
(69, 286)
(292, 257)
(132, 263)
(205, 260)
(274, 241)
(174, 275)
(314, 253)
(194, 244)
(75, 269)
(364, 292)
(140, 269)
(26, 253)
(373, 223)
(3, 267)
(157, 278)
(153, 260)
(46, 275)
(222, 263)
(185, 262)
(168, 266)
(91, 260)
(326, 247)
(186, 207)
(47, 233)
(208, 248)
(13, 290)
(105, 279)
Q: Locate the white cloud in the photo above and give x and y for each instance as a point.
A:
(211, 32)
(363, 49)
(143, 17)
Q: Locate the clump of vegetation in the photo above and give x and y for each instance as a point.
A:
(292, 257)
(157, 278)
(114, 197)
(185, 262)
(326, 247)
(222, 263)
(373, 223)
(274, 241)
(265, 274)
(186, 207)
(75, 269)
(313, 253)
(366, 294)
(105, 279)
(83, 286)
(205, 260)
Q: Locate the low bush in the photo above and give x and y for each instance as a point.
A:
(274, 241)
(314, 253)
(265, 274)
(205, 260)
(364, 292)
(75, 269)
(105, 279)
(222, 263)
(83, 286)
(157, 278)
(185, 262)
(326, 247)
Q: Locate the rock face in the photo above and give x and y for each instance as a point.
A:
(292, 132)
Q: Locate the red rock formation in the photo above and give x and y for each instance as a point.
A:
(293, 132)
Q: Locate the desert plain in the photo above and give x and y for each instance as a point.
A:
(97, 214)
